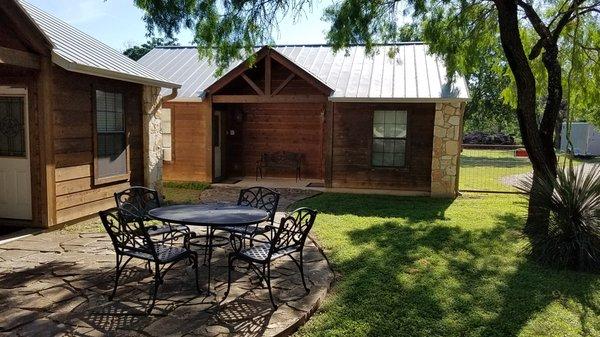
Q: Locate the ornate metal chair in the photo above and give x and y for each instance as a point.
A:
(137, 201)
(132, 240)
(287, 239)
(257, 197)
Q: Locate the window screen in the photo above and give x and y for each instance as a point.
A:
(111, 145)
(165, 122)
(12, 127)
(389, 138)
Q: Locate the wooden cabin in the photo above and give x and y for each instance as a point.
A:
(74, 116)
(358, 121)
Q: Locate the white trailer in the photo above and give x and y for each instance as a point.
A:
(584, 137)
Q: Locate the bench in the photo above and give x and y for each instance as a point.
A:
(280, 159)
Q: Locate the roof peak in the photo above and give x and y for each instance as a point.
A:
(309, 45)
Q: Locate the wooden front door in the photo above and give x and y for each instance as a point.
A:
(15, 173)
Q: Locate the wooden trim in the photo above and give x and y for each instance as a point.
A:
(284, 83)
(308, 77)
(268, 74)
(119, 177)
(19, 58)
(329, 111)
(267, 99)
(46, 138)
(26, 28)
(252, 84)
(235, 72)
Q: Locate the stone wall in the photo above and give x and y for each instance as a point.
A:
(447, 142)
(153, 154)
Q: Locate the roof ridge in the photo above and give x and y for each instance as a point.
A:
(307, 45)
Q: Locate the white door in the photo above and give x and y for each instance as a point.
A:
(217, 144)
(15, 175)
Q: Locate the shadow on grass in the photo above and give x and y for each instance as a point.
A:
(441, 280)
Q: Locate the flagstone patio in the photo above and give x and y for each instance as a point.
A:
(57, 283)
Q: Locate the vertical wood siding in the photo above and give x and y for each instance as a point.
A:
(352, 143)
(191, 143)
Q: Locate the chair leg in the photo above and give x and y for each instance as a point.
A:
(269, 285)
(229, 269)
(117, 275)
(195, 266)
(157, 282)
(301, 266)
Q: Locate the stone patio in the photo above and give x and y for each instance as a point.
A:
(57, 283)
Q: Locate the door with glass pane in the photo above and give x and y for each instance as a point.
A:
(15, 175)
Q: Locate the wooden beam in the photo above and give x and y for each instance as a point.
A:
(25, 27)
(268, 74)
(284, 84)
(235, 72)
(253, 85)
(269, 99)
(291, 66)
(46, 137)
(19, 58)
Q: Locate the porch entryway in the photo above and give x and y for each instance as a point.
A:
(15, 167)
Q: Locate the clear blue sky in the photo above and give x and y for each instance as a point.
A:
(119, 24)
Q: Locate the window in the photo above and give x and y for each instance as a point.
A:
(111, 162)
(12, 127)
(389, 138)
(165, 122)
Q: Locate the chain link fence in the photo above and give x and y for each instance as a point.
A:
(492, 168)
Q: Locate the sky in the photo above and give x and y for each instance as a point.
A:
(119, 23)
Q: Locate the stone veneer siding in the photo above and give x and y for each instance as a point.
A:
(153, 154)
(447, 142)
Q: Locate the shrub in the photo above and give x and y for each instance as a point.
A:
(572, 238)
(190, 185)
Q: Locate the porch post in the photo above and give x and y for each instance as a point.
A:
(153, 152)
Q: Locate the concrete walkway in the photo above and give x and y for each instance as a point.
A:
(57, 283)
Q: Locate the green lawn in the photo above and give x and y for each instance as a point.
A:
(437, 267)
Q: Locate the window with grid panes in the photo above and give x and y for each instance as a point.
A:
(389, 138)
(111, 144)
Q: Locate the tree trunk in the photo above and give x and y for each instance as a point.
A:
(537, 140)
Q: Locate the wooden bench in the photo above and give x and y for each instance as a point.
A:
(280, 159)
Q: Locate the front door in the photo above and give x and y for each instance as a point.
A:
(217, 146)
(15, 175)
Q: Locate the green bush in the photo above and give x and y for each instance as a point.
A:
(572, 239)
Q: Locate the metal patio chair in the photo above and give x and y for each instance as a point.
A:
(287, 239)
(257, 197)
(132, 240)
(137, 201)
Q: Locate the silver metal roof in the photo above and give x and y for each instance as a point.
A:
(411, 75)
(79, 52)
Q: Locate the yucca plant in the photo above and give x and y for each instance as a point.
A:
(571, 239)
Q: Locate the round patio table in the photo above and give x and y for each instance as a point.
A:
(211, 216)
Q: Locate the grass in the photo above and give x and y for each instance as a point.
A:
(437, 267)
(483, 169)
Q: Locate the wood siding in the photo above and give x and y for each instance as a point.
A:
(191, 142)
(352, 143)
(275, 127)
(76, 194)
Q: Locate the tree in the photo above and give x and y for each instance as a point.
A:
(137, 52)
(525, 35)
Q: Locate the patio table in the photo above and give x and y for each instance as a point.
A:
(212, 216)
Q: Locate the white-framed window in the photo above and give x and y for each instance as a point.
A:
(165, 120)
(389, 138)
(111, 162)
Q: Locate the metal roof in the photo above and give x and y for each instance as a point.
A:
(78, 52)
(412, 75)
